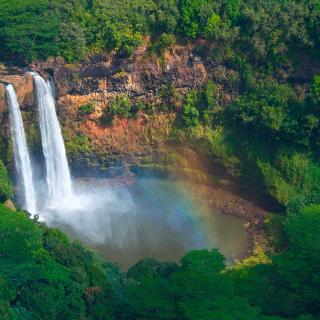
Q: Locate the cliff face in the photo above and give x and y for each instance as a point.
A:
(23, 85)
(143, 140)
(142, 75)
(144, 79)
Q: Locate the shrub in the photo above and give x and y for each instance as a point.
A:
(164, 42)
(6, 188)
(190, 114)
(86, 109)
(315, 89)
(78, 144)
(275, 184)
(141, 106)
(118, 107)
(72, 42)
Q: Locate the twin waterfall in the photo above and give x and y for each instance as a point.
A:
(21, 152)
(57, 170)
(58, 174)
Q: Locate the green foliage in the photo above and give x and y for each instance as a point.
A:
(266, 32)
(72, 42)
(40, 267)
(275, 184)
(27, 30)
(217, 29)
(164, 42)
(294, 267)
(124, 39)
(194, 15)
(151, 268)
(233, 9)
(201, 105)
(315, 90)
(86, 109)
(264, 109)
(78, 144)
(120, 106)
(6, 188)
(190, 114)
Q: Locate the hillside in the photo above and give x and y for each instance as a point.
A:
(197, 109)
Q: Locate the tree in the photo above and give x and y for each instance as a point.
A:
(315, 90)
(190, 113)
(28, 30)
(296, 274)
(6, 188)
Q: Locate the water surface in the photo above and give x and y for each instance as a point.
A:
(150, 218)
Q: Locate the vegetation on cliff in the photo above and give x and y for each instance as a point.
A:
(6, 188)
(267, 134)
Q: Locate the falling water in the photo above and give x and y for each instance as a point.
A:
(21, 153)
(57, 169)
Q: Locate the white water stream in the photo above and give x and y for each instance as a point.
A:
(57, 169)
(21, 153)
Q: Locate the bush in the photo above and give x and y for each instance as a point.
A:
(315, 89)
(72, 42)
(78, 144)
(86, 109)
(43, 268)
(6, 188)
(118, 107)
(165, 41)
(190, 114)
(268, 109)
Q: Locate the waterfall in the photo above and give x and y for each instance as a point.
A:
(57, 168)
(21, 153)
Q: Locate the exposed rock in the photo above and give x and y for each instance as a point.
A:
(9, 204)
(23, 85)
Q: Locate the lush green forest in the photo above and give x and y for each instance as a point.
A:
(268, 134)
(45, 276)
(262, 32)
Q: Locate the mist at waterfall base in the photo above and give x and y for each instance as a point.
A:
(150, 218)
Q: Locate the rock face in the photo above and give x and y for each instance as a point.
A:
(141, 75)
(143, 79)
(23, 85)
(143, 141)
(10, 205)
